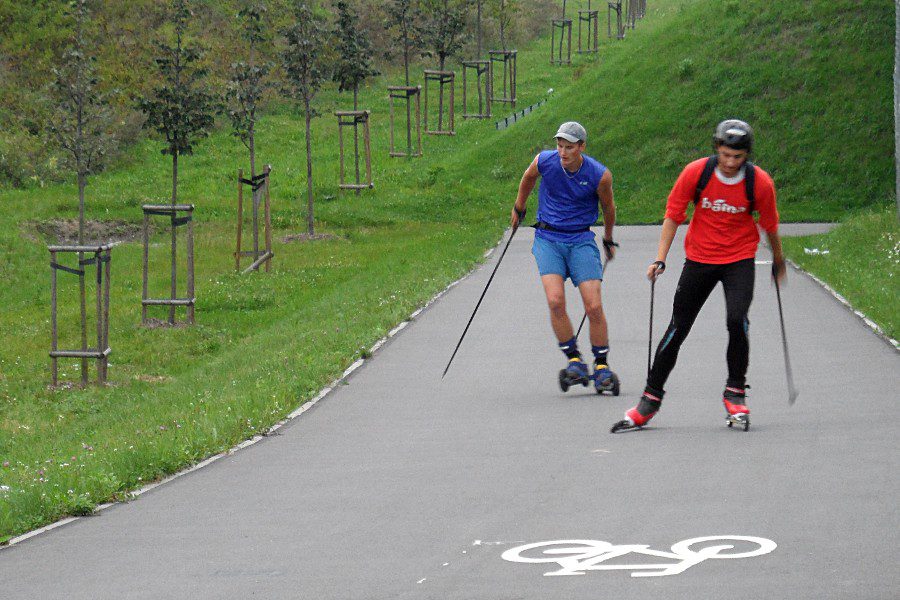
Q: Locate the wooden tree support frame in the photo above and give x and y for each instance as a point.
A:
(615, 7)
(171, 211)
(565, 40)
(355, 118)
(507, 93)
(483, 86)
(591, 19)
(631, 11)
(259, 186)
(102, 257)
(407, 93)
(442, 78)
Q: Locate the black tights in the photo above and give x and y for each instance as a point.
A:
(696, 283)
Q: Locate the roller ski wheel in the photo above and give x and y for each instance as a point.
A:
(605, 380)
(741, 420)
(576, 372)
(736, 411)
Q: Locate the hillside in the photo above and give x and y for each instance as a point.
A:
(814, 79)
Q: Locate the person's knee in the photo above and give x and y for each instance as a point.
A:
(594, 309)
(557, 303)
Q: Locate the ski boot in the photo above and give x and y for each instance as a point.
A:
(605, 380)
(638, 416)
(575, 372)
(738, 414)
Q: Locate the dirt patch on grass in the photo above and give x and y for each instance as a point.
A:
(305, 237)
(65, 231)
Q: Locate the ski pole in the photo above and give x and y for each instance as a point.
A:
(793, 392)
(650, 340)
(459, 343)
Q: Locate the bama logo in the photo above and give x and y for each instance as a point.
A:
(722, 206)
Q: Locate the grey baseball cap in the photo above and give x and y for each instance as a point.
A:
(572, 132)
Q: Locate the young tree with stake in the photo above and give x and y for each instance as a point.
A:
(444, 32)
(179, 107)
(354, 64)
(404, 16)
(304, 68)
(81, 125)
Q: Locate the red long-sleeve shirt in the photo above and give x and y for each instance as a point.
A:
(722, 229)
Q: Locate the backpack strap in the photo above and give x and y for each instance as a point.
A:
(705, 176)
(749, 184)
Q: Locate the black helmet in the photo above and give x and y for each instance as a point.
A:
(734, 134)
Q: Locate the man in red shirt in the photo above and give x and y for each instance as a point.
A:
(720, 245)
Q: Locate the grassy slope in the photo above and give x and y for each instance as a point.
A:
(862, 262)
(816, 89)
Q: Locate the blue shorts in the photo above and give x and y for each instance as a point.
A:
(579, 261)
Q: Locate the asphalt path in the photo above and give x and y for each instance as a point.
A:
(399, 484)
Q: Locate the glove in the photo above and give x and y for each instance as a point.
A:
(608, 246)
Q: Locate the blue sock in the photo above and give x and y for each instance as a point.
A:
(601, 354)
(570, 349)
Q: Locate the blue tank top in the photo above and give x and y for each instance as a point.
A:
(565, 201)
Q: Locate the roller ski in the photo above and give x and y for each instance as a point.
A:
(736, 409)
(605, 380)
(640, 415)
(575, 372)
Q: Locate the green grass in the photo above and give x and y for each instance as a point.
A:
(814, 78)
(861, 259)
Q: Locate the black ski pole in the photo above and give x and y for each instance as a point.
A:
(459, 343)
(793, 392)
(650, 340)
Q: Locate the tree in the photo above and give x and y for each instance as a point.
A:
(444, 28)
(503, 12)
(354, 63)
(179, 107)
(81, 124)
(248, 80)
(305, 71)
(82, 120)
(443, 32)
(404, 16)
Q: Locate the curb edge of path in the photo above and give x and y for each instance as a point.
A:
(259, 437)
(869, 322)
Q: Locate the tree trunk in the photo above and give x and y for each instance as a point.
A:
(252, 140)
(253, 195)
(356, 136)
(408, 110)
(310, 229)
(441, 94)
(478, 56)
(174, 288)
(81, 283)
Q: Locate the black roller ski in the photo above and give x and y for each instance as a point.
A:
(567, 379)
(624, 425)
(611, 385)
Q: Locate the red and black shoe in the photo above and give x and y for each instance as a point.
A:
(735, 401)
(640, 415)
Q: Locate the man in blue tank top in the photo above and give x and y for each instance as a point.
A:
(574, 188)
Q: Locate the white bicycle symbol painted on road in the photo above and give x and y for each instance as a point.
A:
(575, 557)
